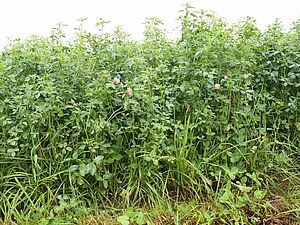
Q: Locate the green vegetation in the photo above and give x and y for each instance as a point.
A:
(101, 129)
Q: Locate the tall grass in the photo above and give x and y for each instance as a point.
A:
(104, 121)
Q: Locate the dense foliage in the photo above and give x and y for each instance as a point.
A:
(104, 120)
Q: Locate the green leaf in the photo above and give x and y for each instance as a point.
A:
(124, 220)
(140, 218)
(232, 172)
(259, 194)
(228, 195)
(243, 188)
(155, 162)
(105, 184)
(12, 151)
(82, 169)
(73, 168)
(91, 169)
(98, 160)
(282, 157)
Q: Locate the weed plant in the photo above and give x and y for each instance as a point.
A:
(206, 125)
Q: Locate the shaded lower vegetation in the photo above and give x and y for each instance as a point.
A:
(199, 130)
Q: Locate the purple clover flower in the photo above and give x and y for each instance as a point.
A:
(217, 87)
(116, 80)
(129, 91)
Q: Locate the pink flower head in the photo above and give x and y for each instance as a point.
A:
(129, 91)
(116, 80)
(225, 77)
(217, 87)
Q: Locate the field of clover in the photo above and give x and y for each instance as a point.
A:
(102, 120)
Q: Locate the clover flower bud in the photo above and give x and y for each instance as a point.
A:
(116, 80)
